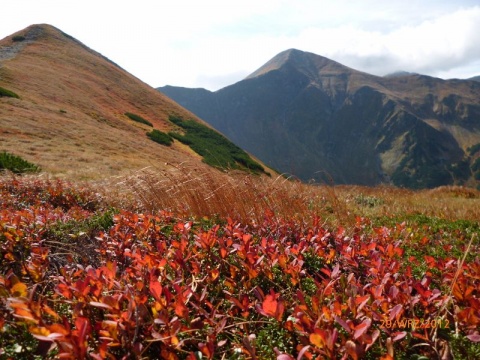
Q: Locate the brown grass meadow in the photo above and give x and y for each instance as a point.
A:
(195, 193)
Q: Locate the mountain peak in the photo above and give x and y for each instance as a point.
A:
(36, 31)
(44, 33)
(400, 73)
(280, 60)
(33, 33)
(308, 63)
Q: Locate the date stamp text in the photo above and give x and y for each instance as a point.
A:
(406, 323)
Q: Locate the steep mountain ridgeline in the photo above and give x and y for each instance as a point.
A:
(75, 113)
(309, 116)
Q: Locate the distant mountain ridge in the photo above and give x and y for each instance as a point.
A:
(400, 74)
(304, 114)
(78, 114)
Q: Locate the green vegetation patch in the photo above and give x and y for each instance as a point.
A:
(160, 137)
(368, 201)
(216, 150)
(16, 164)
(18, 38)
(8, 93)
(138, 119)
(474, 149)
(476, 165)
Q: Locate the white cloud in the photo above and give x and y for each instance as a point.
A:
(209, 43)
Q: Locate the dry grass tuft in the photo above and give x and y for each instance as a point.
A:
(188, 191)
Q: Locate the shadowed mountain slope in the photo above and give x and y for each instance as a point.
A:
(78, 114)
(307, 115)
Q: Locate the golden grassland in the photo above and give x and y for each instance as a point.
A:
(189, 191)
(202, 192)
(70, 115)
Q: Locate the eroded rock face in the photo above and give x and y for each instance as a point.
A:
(309, 116)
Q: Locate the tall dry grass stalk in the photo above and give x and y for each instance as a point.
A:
(188, 191)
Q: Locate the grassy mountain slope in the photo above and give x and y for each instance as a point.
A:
(70, 116)
(307, 115)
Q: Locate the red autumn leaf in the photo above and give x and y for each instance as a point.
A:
(320, 338)
(246, 238)
(336, 269)
(26, 314)
(269, 305)
(343, 323)
(81, 333)
(206, 349)
(372, 339)
(280, 310)
(302, 352)
(352, 350)
(362, 301)
(214, 274)
(362, 328)
(50, 311)
(390, 250)
(180, 309)
(419, 336)
(58, 328)
(317, 339)
(468, 292)
(399, 335)
(395, 311)
(166, 354)
(100, 305)
(284, 357)
(430, 261)
(156, 289)
(236, 302)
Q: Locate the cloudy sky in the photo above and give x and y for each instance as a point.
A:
(214, 43)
